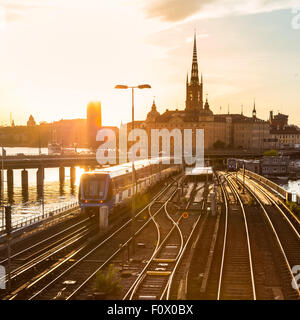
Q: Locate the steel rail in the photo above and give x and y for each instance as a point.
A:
(277, 239)
(277, 206)
(42, 241)
(159, 245)
(38, 260)
(122, 247)
(98, 246)
(224, 241)
(248, 239)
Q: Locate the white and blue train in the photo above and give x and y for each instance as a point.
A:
(112, 186)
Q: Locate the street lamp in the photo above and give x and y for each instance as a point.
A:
(2, 186)
(141, 86)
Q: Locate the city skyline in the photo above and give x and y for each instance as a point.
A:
(57, 56)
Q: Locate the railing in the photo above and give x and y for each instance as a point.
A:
(284, 193)
(26, 221)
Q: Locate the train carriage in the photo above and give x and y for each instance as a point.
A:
(112, 187)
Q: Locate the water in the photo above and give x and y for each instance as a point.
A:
(55, 194)
(292, 186)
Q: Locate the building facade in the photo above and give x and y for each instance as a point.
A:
(284, 136)
(93, 123)
(220, 130)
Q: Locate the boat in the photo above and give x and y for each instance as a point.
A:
(54, 148)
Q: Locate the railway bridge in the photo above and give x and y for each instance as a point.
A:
(41, 162)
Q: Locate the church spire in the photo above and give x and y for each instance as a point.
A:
(194, 89)
(195, 76)
(254, 110)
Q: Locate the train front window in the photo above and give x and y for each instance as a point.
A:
(94, 187)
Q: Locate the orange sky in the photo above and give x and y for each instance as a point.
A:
(56, 56)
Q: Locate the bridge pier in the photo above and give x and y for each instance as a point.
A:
(103, 218)
(40, 177)
(72, 175)
(10, 179)
(24, 179)
(1, 183)
(61, 175)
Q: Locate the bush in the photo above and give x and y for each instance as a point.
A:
(108, 282)
(293, 207)
(271, 153)
(251, 202)
(219, 145)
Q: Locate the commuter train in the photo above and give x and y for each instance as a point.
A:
(112, 186)
(199, 174)
(234, 164)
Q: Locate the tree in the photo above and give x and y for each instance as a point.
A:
(294, 207)
(219, 144)
(271, 153)
(107, 283)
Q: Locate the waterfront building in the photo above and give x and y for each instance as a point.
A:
(284, 136)
(275, 166)
(220, 130)
(31, 122)
(94, 123)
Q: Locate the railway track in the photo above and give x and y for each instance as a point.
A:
(178, 289)
(55, 282)
(202, 276)
(35, 248)
(286, 213)
(39, 256)
(236, 279)
(156, 279)
(284, 234)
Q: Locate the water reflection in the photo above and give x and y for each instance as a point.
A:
(25, 195)
(28, 199)
(61, 189)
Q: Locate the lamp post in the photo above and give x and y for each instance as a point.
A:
(141, 86)
(243, 177)
(2, 186)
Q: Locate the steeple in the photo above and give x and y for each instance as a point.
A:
(153, 114)
(206, 106)
(195, 76)
(194, 89)
(153, 104)
(254, 110)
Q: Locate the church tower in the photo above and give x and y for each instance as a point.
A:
(194, 89)
(254, 111)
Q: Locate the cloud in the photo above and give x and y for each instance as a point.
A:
(179, 10)
(16, 9)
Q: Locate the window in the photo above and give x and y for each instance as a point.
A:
(94, 187)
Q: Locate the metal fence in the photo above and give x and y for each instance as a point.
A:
(26, 221)
(284, 193)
